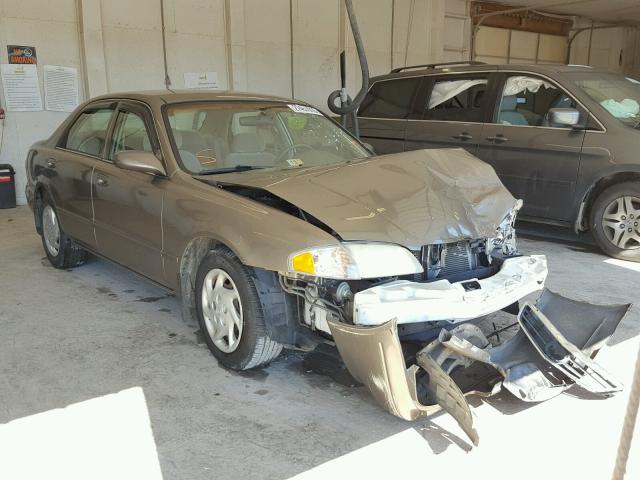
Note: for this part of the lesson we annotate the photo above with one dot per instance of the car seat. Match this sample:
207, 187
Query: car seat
508, 114
189, 159
249, 149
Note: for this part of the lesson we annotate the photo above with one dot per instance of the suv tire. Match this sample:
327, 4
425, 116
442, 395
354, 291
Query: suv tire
615, 221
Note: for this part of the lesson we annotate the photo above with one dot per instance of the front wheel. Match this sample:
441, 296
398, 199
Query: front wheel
230, 314
615, 221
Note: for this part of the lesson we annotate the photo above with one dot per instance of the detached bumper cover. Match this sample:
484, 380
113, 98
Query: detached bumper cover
410, 302
374, 357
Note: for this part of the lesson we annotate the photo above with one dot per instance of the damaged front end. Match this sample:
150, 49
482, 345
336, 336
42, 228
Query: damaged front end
414, 326
552, 350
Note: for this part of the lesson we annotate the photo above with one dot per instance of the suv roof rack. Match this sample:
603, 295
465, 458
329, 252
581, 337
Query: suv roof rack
434, 65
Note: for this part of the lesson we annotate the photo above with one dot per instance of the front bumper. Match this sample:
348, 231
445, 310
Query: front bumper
410, 302
530, 364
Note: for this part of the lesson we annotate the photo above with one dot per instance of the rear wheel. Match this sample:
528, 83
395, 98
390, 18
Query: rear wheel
615, 221
61, 250
230, 314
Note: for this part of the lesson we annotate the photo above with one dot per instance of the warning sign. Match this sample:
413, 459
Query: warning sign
22, 54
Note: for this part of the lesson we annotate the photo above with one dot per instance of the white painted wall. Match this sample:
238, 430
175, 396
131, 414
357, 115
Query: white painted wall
283, 47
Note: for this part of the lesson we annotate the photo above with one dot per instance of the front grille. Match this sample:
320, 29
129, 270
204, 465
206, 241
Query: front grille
458, 259
452, 260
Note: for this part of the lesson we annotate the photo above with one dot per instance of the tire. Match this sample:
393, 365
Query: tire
615, 221
61, 250
247, 344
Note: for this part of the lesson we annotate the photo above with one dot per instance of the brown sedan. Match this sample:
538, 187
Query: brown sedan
279, 229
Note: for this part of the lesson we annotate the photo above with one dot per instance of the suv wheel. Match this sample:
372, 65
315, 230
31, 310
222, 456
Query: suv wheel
61, 250
615, 221
230, 313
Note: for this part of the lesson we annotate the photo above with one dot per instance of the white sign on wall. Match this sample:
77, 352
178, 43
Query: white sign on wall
60, 88
21, 87
201, 80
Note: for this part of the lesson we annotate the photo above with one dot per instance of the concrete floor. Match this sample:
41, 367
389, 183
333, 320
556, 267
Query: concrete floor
72, 336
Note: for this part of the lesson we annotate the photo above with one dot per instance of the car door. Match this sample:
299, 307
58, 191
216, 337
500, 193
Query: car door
382, 116
536, 160
128, 205
453, 110
69, 168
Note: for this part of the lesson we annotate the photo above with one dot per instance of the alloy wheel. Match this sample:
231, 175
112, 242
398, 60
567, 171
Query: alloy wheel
51, 230
621, 222
222, 310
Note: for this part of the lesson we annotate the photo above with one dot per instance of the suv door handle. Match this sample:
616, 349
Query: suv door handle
464, 136
102, 182
499, 138
51, 163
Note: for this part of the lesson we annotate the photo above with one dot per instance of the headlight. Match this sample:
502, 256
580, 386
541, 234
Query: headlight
353, 261
505, 238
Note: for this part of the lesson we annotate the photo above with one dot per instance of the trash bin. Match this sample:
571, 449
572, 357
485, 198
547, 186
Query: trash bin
7, 186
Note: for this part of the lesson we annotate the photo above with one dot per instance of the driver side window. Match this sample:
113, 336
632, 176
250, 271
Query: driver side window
130, 134
527, 100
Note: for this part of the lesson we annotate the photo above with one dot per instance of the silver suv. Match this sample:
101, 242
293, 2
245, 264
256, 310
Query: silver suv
565, 139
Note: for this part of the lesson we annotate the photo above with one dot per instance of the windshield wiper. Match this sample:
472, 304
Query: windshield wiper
237, 168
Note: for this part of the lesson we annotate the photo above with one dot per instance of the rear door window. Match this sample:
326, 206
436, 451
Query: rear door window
88, 133
389, 98
459, 99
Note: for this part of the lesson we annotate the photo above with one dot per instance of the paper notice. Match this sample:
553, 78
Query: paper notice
201, 80
60, 88
21, 88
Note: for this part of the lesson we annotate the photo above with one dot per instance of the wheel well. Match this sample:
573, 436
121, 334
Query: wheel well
281, 310
600, 186
196, 250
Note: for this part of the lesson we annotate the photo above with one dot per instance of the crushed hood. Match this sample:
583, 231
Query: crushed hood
412, 198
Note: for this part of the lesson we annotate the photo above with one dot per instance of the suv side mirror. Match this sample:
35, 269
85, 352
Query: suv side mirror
139, 161
565, 116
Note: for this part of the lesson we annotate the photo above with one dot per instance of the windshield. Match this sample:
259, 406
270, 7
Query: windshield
620, 96
217, 137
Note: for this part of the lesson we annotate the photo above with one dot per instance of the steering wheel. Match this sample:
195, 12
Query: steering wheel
283, 154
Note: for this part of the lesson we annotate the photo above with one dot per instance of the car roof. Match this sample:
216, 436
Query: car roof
167, 96
545, 69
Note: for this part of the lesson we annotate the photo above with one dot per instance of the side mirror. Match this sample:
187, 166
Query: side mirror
139, 161
564, 116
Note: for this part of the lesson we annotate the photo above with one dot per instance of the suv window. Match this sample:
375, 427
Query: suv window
526, 100
130, 134
458, 99
389, 98
89, 132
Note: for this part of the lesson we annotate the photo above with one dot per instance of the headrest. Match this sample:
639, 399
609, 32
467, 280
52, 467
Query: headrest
509, 102
247, 143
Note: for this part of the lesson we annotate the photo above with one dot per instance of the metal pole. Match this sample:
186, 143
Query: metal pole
626, 436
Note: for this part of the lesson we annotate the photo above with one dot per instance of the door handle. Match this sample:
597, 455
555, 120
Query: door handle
102, 182
499, 138
464, 136
51, 163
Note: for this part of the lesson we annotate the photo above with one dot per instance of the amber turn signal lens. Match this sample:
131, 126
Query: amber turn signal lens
303, 263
